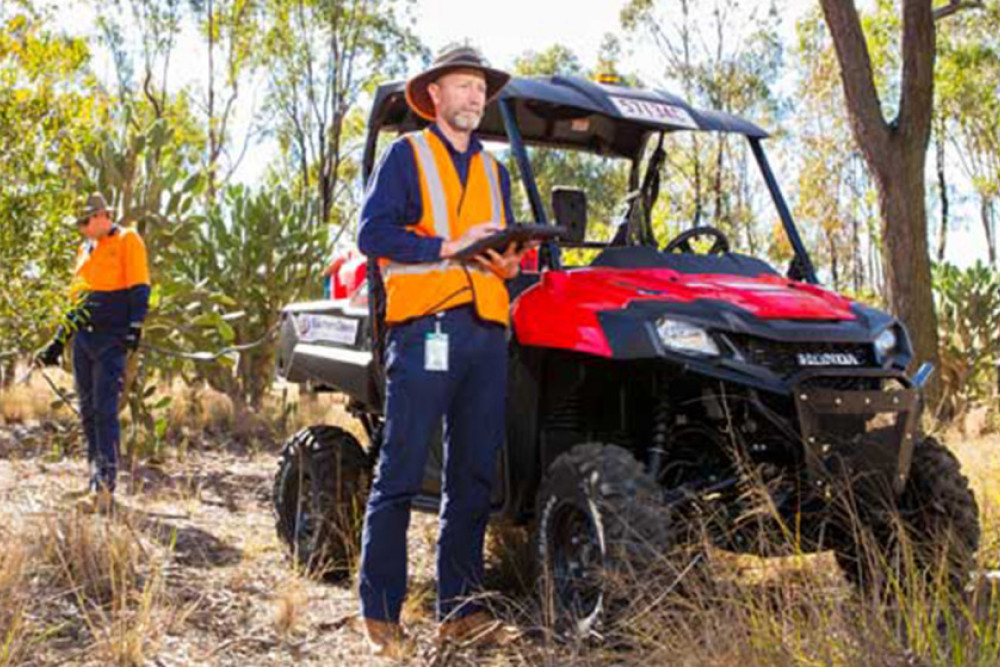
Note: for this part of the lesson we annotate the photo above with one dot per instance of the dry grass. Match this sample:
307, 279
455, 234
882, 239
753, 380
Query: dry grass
326, 408
794, 610
200, 416
801, 616
73, 580
12, 604
198, 409
290, 605
980, 457
194, 575
188, 572
195, 416
33, 401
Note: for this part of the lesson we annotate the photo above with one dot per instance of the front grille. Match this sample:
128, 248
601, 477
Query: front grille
783, 358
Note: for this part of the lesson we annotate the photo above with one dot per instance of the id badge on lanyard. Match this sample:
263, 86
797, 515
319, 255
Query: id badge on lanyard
436, 349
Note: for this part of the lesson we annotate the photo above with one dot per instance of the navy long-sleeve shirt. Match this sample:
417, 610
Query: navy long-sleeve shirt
393, 202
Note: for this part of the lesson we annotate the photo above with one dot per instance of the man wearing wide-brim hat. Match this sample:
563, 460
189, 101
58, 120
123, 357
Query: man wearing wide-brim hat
436, 191
110, 291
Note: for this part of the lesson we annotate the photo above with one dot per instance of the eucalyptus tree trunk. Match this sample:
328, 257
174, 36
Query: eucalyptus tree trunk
895, 152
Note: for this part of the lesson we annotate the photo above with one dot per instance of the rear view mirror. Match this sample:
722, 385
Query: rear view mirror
569, 205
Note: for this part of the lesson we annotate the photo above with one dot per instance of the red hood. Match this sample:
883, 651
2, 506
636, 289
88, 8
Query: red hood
562, 310
766, 297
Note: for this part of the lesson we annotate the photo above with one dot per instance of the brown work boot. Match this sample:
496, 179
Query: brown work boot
387, 639
477, 629
101, 502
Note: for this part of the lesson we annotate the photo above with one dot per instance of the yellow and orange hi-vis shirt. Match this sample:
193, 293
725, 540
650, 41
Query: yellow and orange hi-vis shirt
111, 282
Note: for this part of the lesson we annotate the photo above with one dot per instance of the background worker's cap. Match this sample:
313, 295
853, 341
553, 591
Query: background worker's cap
94, 204
449, 59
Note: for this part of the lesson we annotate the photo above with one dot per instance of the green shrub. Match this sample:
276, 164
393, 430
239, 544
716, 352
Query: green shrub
968, 310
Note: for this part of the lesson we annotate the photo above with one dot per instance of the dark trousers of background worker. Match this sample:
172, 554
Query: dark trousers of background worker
471, 397
99, 369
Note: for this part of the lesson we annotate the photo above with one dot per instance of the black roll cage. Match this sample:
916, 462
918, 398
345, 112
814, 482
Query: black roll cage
559, 98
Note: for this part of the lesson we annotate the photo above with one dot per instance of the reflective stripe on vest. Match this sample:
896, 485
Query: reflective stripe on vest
439, 201
415, 290
496, 197
398, 269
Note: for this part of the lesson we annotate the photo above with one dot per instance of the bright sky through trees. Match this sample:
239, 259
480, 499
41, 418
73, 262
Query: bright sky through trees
502, 31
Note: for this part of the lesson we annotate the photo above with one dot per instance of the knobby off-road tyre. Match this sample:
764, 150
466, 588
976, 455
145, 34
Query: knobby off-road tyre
320, 491
600, 525
939, 518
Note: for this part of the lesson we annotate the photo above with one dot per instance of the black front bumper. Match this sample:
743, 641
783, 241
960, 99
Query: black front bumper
868, 435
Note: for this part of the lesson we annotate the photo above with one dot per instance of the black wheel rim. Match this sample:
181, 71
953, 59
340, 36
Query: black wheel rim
577, 561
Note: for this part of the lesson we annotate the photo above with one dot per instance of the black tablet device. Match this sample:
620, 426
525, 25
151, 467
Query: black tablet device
519, 235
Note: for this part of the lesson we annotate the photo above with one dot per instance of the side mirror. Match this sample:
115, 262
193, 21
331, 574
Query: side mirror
569, 205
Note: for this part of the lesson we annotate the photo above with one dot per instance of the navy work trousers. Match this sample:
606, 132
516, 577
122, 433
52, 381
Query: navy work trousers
470, 396
99, 369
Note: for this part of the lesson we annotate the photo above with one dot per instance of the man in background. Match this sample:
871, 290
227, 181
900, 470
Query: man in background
110, 291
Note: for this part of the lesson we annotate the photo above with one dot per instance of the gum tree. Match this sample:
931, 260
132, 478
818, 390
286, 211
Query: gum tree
895, 150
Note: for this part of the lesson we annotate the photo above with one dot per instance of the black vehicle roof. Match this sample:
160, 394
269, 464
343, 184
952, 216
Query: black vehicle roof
571, 112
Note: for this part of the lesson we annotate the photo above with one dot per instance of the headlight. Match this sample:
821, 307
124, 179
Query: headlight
684, 337
886, 342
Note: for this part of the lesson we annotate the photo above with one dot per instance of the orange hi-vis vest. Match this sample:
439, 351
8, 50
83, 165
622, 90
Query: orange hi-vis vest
415, 290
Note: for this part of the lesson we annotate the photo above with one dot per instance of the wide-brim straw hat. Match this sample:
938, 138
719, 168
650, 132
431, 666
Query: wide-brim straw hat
452, 58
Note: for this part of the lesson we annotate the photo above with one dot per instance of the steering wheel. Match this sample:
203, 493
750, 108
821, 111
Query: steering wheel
682, 242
